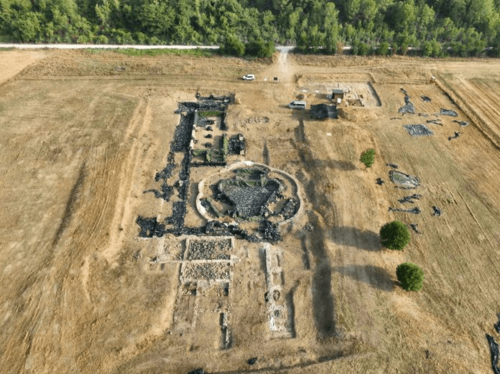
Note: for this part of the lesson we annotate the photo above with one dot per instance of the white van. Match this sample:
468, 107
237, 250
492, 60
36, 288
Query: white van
297, 105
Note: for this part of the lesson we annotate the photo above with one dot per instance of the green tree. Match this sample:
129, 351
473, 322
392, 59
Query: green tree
82, 39
403, 49
466, 25
259, 48
355, 47
436, 48
368, 157
331, 28
233, 46
427, 49
395, 235
394, 49
24, 25
352, 8
383, 49
410, 276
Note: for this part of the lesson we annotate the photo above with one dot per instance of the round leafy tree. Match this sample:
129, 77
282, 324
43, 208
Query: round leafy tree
368, 157
395, 235
410, 276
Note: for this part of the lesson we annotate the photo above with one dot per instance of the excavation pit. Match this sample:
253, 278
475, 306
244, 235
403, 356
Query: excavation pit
212, 272
249, 192
199, 249
253, 195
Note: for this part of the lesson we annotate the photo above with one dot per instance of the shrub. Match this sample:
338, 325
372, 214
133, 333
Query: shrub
436, 48
355, 47
102, 39
410, 276
368, 157
394, 49
259, 48
363, 49
395, 235
383, 49
82, 39
403, 48
233, 46
426, 49
340, 48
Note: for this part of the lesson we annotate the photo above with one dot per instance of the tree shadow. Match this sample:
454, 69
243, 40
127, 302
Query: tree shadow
372, 275
322, 295
353, 237
333, 164
323, 302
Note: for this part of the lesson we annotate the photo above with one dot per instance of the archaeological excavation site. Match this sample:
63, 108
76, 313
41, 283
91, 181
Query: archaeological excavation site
163, 215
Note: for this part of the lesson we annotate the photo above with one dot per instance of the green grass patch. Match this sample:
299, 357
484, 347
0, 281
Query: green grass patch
198, 152
158, 52
6, 49
96, 51
209, 113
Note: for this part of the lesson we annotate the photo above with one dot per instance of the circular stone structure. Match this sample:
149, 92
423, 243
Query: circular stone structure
251, 192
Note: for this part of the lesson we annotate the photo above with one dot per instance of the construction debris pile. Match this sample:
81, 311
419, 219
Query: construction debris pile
271, 232
461, 123
414, 226
408, 108
435, 121
494, 353
436, 211
448, 112
418, 130
415, 210
409, 199
150, 227
403, 180
237, 145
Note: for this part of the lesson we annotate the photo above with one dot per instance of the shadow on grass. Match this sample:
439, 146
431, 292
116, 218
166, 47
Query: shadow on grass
373, 275
353, 237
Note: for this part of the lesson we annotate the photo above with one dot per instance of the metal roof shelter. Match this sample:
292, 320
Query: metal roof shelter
338, 93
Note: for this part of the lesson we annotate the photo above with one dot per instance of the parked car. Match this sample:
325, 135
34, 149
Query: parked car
297, 105
248, 77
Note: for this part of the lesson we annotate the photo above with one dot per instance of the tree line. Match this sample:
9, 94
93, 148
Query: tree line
435, 27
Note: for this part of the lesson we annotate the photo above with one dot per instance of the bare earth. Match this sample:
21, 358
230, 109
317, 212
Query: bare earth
81, 138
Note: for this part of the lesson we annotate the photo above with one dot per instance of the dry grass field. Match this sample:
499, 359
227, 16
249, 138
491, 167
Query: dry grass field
83, 134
